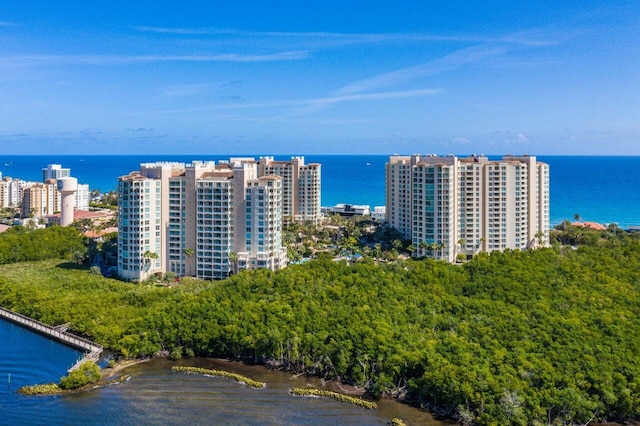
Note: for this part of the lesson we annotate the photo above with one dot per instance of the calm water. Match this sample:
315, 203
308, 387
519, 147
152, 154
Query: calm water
601, 189
156, 396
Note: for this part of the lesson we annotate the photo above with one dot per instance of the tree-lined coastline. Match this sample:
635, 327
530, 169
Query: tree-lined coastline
509, 338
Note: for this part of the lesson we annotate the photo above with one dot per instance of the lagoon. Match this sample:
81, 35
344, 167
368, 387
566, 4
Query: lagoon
155, 395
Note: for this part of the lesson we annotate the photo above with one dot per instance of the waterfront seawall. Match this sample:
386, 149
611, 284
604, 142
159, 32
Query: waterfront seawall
92, 350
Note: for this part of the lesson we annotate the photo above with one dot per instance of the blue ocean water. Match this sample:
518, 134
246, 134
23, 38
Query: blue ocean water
27, 358
602, 189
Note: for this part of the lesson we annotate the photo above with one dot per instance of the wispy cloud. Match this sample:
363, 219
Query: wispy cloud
312, 104
187, 89
487, 48
460, 140
138, 59
509, 137
524, 38
436, 66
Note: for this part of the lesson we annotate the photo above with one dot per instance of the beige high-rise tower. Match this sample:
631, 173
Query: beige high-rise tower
448, 206
200, 219
300, 187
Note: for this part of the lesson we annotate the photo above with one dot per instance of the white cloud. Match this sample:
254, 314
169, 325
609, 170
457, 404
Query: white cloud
529, 38
139, 59
508, 137
460, 140
437, 66
312, 104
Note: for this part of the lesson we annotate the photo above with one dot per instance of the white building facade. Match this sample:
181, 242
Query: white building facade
82, 197
209, 220
300, 187
54, 171
449, 206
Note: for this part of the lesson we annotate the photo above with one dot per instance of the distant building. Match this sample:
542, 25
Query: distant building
98, 218
83, 196
590, 225
201, 219
54, 171
349, 210
449, 206
11, 192
39, 200
379, 213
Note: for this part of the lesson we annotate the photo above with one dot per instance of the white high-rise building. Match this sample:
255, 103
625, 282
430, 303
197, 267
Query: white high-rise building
10, 192
449, 206
83, 196
54, 171
199, 219
300, 187
262, 239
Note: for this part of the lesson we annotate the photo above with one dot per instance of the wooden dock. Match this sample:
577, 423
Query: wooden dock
91, 350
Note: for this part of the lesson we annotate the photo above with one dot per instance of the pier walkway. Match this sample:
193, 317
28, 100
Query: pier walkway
91, 350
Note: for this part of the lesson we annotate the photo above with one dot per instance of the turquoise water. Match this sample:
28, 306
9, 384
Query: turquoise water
601, 189
157, 396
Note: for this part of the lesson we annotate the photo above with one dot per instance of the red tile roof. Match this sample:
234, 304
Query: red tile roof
591, 225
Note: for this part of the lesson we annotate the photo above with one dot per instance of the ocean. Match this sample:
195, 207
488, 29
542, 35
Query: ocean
599, 188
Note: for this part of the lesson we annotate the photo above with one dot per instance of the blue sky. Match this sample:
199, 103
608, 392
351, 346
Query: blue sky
242, 77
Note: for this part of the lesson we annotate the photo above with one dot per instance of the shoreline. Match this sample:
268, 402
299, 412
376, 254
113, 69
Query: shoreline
107, 378
118, 373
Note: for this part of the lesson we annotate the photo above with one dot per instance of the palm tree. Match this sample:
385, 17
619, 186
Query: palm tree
431, 247
460, 248
233, 258
577, 217
441, 247
423, 248
189, 252
148, 256
411, 248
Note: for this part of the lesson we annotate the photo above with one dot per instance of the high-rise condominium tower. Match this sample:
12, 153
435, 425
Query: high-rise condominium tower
447, 206
300, 187
199, 219
54, 171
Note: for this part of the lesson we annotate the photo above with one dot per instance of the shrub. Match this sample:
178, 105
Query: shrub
86, 373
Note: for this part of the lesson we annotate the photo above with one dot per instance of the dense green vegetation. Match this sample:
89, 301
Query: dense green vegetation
549, 336
87, 373
19, 244
43, 389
